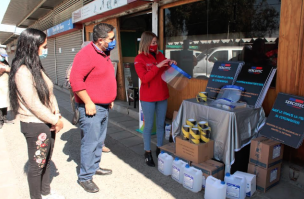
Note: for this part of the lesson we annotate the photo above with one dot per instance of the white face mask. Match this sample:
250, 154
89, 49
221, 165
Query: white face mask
2, 58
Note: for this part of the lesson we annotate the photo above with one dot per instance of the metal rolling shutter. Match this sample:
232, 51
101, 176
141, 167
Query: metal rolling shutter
69, 44
49, 63
11, 56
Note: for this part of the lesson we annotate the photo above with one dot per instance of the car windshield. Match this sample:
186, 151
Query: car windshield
204, 53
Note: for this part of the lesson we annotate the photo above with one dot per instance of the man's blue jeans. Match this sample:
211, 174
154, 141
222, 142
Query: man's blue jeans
94, 130
149, 108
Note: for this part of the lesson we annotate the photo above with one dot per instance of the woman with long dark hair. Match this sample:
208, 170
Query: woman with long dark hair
32, 99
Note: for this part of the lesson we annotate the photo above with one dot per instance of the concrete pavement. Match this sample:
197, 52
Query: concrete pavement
131, 178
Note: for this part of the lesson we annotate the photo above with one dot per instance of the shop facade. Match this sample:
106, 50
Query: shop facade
204, 30
220, 29
64, 41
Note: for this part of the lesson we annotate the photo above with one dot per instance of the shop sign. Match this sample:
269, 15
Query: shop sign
96, 7
285, 122
62, 27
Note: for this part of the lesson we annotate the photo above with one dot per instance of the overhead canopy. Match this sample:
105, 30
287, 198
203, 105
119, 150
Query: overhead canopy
23, 14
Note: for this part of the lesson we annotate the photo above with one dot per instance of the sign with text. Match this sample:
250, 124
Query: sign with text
95, 8
62, 27
285, 122
223, 73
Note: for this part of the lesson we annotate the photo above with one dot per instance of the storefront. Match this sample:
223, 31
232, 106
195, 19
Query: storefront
64, 41
208, 31
208, 25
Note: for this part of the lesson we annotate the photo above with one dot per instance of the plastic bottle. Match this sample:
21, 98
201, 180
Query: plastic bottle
165, 163
178, 170
236, 186
167, 131
193, 179
215, 188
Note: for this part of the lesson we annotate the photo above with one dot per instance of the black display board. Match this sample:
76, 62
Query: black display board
285, 122
256, 81
223, 73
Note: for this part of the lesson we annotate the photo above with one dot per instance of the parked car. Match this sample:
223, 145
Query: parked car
207, 58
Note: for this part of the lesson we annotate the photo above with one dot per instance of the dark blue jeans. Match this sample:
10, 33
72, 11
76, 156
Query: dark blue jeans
94, 130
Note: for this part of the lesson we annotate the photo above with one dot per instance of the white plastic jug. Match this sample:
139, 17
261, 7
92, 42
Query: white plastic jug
193, 179
178, 170
167, 131
165, 163
215, 188
236, 186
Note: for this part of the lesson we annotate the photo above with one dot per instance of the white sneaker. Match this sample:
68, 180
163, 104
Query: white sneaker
53, 195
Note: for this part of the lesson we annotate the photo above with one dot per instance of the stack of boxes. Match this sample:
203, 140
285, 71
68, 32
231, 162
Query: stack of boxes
265, 162
196, 155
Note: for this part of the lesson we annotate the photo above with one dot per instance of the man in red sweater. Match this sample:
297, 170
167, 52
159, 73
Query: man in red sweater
93, 82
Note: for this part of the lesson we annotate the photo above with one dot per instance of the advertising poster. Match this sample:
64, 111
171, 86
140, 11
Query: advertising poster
223, 73
285, 122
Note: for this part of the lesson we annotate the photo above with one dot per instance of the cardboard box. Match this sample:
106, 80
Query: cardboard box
265, 152
265, 178
195, 153
250, 182
169, 148
211, 168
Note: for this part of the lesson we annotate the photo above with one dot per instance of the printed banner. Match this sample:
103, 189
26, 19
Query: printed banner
62, 27
286, 120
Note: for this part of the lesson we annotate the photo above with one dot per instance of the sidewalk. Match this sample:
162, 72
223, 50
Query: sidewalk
131, 177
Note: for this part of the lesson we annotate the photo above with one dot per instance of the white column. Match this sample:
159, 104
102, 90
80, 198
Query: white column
155, 18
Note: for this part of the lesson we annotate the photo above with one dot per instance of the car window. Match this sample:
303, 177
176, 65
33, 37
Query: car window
204, 53
236, 53
219, 56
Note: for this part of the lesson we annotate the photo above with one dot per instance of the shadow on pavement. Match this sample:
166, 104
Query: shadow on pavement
72, 149
72, 146
54, 170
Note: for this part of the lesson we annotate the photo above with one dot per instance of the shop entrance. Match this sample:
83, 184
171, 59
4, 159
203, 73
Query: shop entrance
131, 28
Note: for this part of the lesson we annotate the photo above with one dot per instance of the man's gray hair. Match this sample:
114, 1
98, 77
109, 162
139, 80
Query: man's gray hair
101, 31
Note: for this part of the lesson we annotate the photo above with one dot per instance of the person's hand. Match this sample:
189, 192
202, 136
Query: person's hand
172, 62
2, 70
90, 108
163, 63
57, 127
111, 105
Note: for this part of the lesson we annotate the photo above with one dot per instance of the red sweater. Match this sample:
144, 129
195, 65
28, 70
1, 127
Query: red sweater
93, 71
152, 88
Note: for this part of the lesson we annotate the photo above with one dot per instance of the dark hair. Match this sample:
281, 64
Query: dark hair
27, 54
101, 31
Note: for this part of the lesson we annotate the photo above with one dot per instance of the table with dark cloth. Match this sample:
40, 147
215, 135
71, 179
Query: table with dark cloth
230, 130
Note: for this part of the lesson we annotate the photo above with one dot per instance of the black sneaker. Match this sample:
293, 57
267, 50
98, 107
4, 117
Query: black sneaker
149, 159
157, 151
89, 186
